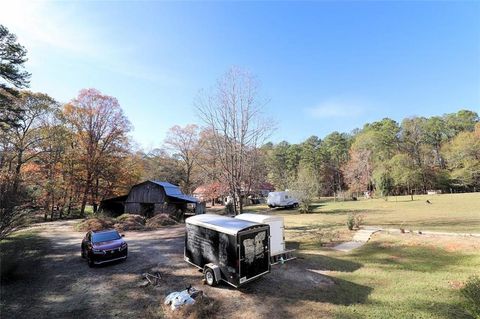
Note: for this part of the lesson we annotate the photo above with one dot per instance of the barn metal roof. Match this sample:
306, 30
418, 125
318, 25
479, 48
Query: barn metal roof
228, 225
175, 192
184, 198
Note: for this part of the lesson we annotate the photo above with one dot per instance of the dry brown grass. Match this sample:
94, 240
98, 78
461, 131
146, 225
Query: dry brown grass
204, 308
95, 224
126, 222
160, 220
130, 222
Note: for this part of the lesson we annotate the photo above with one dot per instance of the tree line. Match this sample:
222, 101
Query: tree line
416, 155
384, 157
58, 158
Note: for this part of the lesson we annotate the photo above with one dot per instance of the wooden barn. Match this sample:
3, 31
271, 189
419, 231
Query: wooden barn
150, 198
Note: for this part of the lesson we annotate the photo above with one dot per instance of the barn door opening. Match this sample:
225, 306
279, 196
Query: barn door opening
147, 209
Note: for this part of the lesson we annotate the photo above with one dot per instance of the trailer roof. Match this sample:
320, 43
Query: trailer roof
259, 218
222, 224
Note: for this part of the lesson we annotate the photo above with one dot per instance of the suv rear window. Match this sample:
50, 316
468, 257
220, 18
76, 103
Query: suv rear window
107, 236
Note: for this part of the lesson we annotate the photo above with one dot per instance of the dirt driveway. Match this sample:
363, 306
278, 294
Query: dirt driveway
63, 286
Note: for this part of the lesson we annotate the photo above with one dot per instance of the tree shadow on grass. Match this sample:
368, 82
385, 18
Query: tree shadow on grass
292, 245
307, 227
284, 292
326, 263
410, 258
342, 211
19, 255
431, 224
305, 278
316, 205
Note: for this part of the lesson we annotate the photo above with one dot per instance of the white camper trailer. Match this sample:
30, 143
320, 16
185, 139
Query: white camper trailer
281, 199
277, 236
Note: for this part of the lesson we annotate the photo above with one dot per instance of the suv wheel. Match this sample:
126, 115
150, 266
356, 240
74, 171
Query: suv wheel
90, 262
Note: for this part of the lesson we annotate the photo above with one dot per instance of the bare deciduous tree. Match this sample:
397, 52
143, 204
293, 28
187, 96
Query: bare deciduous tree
232, 111
184, 143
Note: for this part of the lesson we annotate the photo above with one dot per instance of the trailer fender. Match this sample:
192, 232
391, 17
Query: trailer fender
216, 271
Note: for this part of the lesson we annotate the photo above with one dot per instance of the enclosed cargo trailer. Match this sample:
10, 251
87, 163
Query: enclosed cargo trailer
278, 253
227, 249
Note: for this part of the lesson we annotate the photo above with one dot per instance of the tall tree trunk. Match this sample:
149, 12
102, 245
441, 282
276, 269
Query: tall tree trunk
45, 211
52, 210
18, 167
240, 204
88, 186
84, 202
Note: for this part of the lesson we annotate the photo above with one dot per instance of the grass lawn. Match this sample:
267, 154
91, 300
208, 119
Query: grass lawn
447, 212
408, 276
397, 276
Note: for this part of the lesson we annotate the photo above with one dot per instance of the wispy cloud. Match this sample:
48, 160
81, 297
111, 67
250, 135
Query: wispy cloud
338, 108
58, 27
39, 23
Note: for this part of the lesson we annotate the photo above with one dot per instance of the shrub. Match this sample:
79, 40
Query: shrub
350, 221
358, 220
355, 220
304, 207
471, 293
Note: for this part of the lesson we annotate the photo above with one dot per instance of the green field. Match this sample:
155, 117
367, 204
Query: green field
406, 276
447, 212
395, 276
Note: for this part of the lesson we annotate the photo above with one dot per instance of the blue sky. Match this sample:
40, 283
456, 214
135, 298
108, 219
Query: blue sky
324, 66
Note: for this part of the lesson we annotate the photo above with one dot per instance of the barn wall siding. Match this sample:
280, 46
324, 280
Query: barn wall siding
146, 193
149, 198
133, 208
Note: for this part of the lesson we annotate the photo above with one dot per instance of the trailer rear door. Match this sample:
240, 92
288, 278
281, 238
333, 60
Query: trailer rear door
254, 253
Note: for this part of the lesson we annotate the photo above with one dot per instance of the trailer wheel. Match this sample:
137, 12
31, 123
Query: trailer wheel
210, 277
